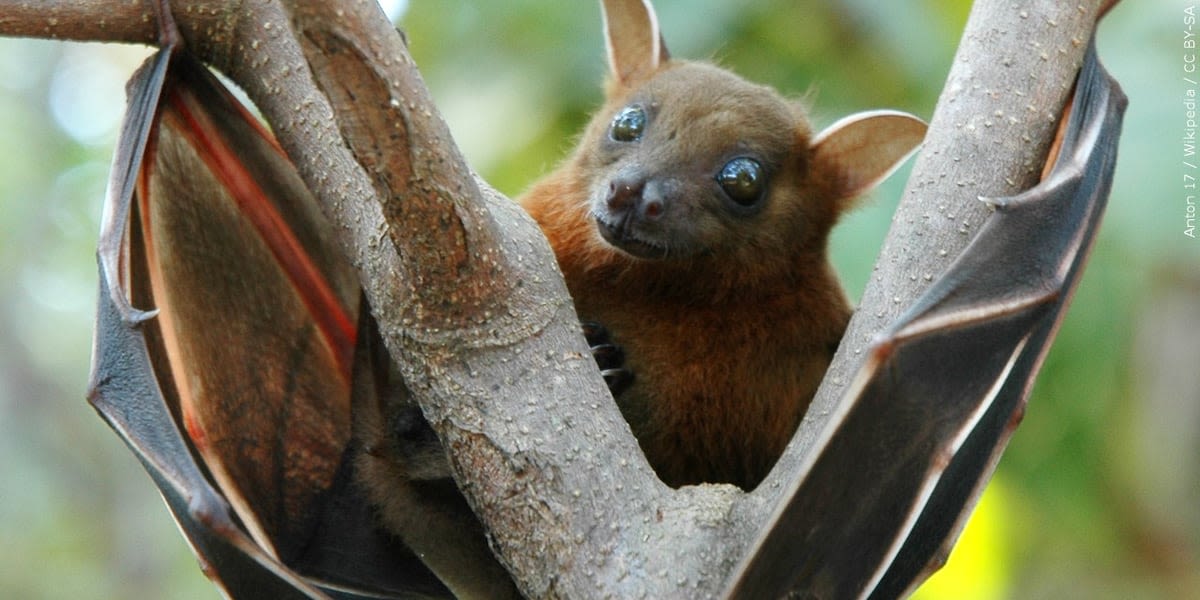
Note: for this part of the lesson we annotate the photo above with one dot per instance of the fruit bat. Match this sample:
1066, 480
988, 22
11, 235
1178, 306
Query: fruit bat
232, 345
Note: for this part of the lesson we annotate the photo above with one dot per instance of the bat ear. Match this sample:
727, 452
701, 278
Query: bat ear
635, 45
857, 152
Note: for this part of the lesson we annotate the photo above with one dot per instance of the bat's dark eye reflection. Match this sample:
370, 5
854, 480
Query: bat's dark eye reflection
743, 180
629, 124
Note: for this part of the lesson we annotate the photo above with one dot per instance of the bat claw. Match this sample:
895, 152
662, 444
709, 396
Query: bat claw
610, 357
130, 315
134, 317
618, 380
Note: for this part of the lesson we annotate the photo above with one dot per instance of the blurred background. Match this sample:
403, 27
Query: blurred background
1098, 495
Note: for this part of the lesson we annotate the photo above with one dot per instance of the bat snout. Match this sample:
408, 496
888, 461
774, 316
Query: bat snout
634, 198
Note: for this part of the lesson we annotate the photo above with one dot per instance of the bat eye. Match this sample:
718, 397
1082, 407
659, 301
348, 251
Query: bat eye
743, 180
629, 124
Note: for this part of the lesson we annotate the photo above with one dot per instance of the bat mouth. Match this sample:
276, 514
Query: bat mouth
621, 236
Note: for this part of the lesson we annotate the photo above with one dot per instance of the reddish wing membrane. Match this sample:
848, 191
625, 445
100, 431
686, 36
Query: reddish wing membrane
256, 334
227, 313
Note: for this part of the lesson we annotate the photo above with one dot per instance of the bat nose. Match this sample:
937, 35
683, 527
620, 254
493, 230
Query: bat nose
624, 193
627, 197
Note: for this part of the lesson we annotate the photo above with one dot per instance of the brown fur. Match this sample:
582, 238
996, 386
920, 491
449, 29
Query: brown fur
728, 340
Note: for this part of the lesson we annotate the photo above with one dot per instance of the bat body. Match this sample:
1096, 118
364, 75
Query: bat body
692, 222
235, 355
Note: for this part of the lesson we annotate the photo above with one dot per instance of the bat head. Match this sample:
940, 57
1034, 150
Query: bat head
690, 162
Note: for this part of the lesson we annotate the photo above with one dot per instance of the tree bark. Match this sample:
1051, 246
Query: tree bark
471, 303
988, 137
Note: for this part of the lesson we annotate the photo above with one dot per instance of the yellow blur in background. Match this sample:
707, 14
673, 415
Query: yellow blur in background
979, 568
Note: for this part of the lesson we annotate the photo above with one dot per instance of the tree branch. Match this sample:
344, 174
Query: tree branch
989, 135
83, 20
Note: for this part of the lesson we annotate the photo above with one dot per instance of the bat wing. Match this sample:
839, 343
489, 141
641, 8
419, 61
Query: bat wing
225, 348
930, 411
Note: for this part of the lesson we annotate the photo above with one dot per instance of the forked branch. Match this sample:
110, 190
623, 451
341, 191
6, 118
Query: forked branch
469, 299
